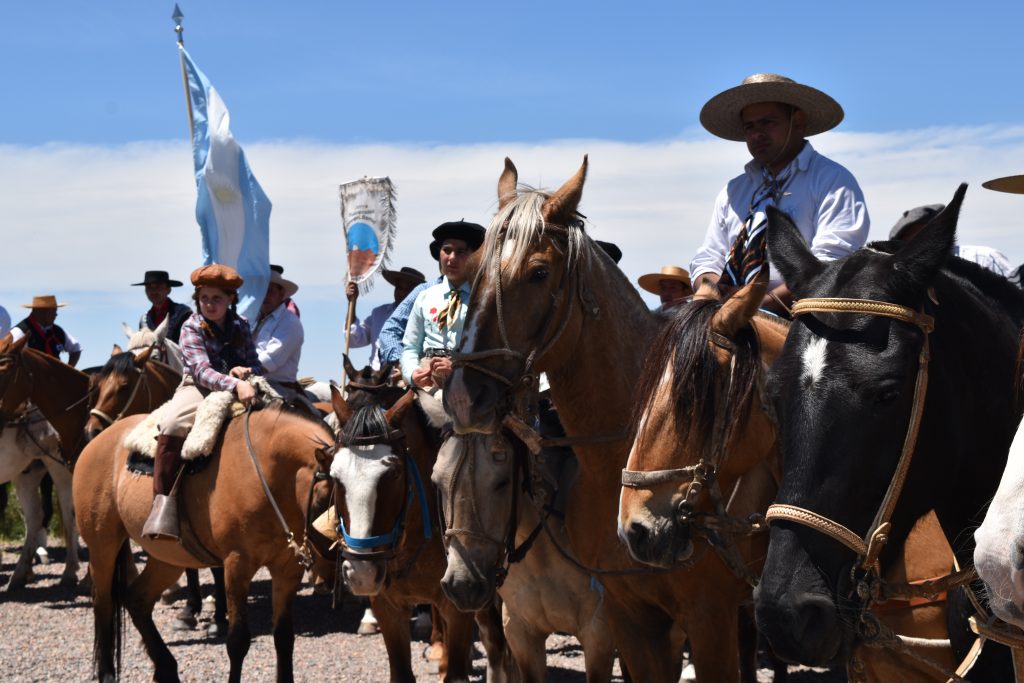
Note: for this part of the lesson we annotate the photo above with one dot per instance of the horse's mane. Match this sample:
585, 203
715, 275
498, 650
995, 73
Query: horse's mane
370, 420
684, 344
119, 363
519, 225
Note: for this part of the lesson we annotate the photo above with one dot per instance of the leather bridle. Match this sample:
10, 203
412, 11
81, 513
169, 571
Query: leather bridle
141, 379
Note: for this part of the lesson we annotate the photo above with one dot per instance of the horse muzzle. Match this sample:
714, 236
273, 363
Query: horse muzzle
657, 542
364, 577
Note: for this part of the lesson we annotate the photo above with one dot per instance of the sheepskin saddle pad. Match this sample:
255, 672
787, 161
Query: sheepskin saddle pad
212, 414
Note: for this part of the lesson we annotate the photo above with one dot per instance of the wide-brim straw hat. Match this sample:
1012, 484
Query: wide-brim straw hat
721, 115
406, 275
289, 287
1013, 184
44, 301
650, 280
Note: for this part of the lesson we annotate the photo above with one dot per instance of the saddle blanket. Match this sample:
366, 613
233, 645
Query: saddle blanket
216, 409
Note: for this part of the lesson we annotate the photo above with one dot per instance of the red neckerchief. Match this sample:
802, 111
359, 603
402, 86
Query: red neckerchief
160, 312
49, 337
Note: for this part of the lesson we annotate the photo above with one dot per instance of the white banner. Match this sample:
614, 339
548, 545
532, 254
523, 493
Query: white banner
368, 216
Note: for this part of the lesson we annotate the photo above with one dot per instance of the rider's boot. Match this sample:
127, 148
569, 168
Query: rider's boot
163, 517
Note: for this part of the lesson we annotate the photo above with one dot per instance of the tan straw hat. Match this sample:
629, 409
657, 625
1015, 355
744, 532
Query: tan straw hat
721, 115
1011, 183
288, 286
650, 280
44, 301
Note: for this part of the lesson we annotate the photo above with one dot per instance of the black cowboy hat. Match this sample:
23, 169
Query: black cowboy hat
277, 269
470, 233
405, 275
611, 249
919, 214
157, 277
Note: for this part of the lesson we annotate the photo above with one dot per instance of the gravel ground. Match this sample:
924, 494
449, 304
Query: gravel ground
46, 635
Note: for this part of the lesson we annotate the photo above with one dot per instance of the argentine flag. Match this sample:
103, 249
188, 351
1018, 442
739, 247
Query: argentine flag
232, 210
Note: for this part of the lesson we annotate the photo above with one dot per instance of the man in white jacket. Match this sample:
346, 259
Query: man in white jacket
278, 335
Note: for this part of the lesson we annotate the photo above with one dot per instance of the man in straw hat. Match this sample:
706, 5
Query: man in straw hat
43, 334
366, 332
773, 115
672, 285
912, 222
279, 336
158, 286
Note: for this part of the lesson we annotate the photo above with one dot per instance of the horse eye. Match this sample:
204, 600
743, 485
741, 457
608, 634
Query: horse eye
539, 275
886, 395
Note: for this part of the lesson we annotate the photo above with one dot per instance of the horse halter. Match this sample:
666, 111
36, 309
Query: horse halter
870, 547
363, 547
104, 417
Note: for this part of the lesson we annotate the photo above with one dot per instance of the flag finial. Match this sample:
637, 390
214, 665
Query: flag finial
178, 28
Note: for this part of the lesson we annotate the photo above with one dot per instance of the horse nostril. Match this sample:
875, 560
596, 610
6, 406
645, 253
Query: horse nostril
637, 534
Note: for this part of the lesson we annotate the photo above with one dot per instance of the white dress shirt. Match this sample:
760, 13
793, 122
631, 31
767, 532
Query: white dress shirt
422, 332
366, 332
279, 344
993, 259
822, 198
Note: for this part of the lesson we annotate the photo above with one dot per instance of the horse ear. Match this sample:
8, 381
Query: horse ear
143, 356
789, 252
738, 309
350, 369
116, 350
561, 206
161, 329
341, 407
507, 184
396, 412
128, 332
919, 260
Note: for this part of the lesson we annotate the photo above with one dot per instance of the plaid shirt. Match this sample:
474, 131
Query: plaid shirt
201, 353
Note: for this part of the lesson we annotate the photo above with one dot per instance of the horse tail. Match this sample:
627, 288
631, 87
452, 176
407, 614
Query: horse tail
123, 573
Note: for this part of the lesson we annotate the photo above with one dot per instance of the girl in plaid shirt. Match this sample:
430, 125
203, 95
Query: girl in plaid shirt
219, 354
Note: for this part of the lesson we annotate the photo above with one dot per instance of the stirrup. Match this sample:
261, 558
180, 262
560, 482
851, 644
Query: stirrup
163, 519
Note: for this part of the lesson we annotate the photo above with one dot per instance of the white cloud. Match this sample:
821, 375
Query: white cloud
85, 221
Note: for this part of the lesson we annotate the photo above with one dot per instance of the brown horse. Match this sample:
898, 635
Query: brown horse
129, 384
391, 551
231, 517
548, 299
59, 391
704, 437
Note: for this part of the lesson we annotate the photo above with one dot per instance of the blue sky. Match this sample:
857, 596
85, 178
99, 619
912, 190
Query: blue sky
95, 170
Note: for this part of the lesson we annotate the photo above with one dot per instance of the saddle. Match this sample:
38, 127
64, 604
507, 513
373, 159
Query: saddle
211, 416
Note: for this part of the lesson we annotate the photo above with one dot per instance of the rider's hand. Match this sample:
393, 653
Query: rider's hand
421, 378
352, 291
440, 369
240, 372
246, 393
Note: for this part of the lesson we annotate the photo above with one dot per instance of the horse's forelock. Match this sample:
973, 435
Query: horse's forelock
518, 226
370, 420
119, 363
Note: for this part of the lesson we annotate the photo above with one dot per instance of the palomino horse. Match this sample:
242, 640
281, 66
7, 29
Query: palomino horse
541, 591
247, 508
392, 555
895, 393
704, 439
29, 448
547, 299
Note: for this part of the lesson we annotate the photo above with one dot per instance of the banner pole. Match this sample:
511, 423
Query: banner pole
349, 317
180, 30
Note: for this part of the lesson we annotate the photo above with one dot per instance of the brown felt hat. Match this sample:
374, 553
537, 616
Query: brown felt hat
721, 115
44, 301
217, 275
650, 280
1013, 184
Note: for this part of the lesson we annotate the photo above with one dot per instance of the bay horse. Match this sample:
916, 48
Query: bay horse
508, 539
391, 553
705, 459
547, 299
230, 515
895, 393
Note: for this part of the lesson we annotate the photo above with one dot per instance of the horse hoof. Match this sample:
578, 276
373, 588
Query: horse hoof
217, 629
42, 556
185, 621
367, 628
172, 595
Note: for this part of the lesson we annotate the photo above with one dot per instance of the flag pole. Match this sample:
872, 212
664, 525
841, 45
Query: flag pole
349, 317
180, 30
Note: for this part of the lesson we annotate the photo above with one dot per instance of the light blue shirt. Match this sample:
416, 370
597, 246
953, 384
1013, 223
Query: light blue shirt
389, 341
423, 332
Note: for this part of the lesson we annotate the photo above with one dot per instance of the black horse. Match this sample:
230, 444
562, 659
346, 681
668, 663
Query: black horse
842, 393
